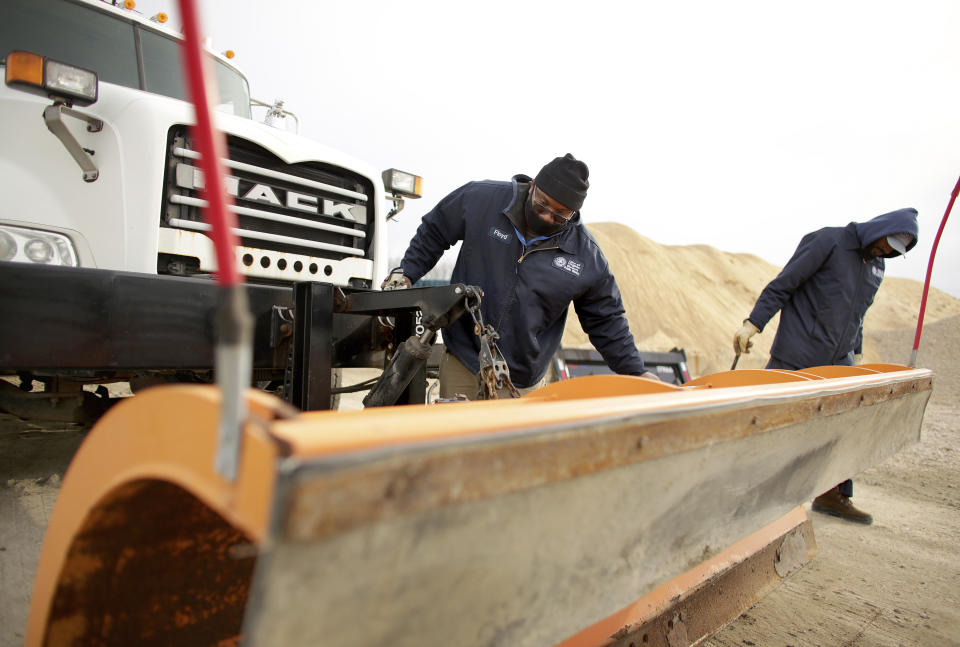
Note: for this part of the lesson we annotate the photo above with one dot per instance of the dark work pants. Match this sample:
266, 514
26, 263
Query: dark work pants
846, 488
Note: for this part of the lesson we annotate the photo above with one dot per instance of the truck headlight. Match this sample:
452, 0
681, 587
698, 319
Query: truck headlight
402, 183
40, 75
39, 250
20, 244
8, 246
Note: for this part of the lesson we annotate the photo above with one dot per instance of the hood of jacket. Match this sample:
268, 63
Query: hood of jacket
901, 221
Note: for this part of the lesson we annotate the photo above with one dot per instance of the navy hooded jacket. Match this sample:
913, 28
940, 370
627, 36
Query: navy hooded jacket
527, 291
825, 289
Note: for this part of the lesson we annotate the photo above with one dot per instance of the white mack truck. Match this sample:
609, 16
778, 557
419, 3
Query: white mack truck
113, 184
105, 261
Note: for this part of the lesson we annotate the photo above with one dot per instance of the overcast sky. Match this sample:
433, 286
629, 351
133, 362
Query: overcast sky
740, 125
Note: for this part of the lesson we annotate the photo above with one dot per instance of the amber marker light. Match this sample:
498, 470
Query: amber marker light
129, 4
159, 17
229, 53
25, 68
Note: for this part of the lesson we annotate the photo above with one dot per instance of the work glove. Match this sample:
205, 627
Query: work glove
858, 359
396, 280
650, 375
741, 340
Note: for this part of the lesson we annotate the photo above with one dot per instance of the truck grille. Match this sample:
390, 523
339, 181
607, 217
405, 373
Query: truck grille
306, 214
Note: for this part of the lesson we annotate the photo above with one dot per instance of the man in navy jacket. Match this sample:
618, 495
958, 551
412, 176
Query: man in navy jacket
823, 294
526, 247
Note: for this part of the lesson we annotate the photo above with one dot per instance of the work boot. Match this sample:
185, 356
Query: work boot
832, 502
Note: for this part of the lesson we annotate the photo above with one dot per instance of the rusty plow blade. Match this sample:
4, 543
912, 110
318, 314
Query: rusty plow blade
547, 519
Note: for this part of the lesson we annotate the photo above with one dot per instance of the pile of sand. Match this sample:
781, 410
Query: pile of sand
695, 297
939, 351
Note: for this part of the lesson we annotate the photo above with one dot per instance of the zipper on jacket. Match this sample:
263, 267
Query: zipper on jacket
865, 266
530, 251
516, 277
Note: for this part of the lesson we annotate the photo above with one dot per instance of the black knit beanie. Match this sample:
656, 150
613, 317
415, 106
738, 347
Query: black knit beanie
565, 180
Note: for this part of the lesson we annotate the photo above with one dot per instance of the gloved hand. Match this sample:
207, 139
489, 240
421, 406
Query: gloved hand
396, 280
858, 359
741, 340
650, 375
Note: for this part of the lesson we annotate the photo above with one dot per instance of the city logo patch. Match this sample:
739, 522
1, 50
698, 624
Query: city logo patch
878, 272
568, 265
499, 235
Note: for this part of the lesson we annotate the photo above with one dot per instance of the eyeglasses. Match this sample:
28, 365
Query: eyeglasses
543, 209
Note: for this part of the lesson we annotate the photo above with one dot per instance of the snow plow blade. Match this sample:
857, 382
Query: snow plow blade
536, 521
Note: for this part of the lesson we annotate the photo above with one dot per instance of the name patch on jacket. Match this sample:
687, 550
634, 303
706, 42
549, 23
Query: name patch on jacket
568, 265
498, 234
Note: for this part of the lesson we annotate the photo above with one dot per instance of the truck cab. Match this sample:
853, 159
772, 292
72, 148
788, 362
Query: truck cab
305, 212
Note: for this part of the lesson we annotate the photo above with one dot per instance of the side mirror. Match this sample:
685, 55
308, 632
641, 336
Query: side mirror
66, 85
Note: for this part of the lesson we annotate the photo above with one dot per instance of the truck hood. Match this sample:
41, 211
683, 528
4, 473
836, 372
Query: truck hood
288, 146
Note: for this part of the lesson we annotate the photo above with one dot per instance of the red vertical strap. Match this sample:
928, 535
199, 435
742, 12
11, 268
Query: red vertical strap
926, 282
212, 148
234, 348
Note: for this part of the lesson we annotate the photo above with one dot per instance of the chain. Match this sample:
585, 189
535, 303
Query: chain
494, 373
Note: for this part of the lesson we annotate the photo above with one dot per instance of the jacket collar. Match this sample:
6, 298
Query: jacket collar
850, 239
564, 239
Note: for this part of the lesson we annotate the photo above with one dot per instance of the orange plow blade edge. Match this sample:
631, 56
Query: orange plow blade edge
577, 515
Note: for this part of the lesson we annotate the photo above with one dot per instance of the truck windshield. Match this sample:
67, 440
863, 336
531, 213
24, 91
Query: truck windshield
114, 48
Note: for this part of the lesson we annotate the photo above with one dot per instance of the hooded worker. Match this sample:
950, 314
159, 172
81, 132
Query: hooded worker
525, 246
822, 294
